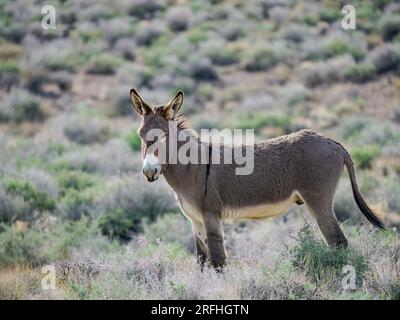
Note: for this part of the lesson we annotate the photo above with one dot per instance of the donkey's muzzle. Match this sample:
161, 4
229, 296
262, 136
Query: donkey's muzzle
151, 167
151, 175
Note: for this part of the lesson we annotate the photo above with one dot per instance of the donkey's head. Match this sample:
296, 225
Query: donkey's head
155, 124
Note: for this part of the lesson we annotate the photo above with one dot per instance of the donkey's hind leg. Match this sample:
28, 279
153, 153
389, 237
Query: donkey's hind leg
323, 212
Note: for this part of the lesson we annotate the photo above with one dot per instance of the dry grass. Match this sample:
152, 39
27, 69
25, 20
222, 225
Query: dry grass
267, 260
19, 282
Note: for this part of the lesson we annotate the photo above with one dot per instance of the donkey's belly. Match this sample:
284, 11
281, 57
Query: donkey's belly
260, 211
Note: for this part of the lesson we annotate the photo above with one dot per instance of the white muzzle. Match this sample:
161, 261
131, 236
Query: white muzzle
151, 167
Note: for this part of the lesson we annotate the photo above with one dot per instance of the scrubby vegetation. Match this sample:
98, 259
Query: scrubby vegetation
71, 189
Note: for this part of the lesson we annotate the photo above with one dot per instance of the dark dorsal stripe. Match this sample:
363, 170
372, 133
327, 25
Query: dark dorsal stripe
208, 167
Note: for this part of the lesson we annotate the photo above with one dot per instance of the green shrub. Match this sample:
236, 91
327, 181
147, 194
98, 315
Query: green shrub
389, 27
103, 64
58, 63
365, 155
352, 127
344, 206
311, 20
76, 204
360, 72
120, 104
37, 246
202, 69
394, 293
146, 9
178, 18
295, 33
223, 56
392, 190
324, 72
262, 59
86, 35
367, 11
336, 47
320, 262
196, 35
36, 199
171, 228
149, 209
147, 34
20, 106
257, 121
116, 224
8, 210
8, 66
86, 131
9, 74
330, 15
386, 58
134, 140
141, 204
231, 31
75, 180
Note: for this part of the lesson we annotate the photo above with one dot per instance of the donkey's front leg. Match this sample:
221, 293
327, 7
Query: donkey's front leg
215, 240
200, 238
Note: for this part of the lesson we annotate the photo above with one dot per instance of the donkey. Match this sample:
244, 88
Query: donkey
300, 168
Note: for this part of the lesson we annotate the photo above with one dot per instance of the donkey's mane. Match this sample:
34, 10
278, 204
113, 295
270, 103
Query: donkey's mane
181, 121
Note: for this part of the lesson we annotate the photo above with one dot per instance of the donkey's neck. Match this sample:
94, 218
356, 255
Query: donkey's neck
181, 175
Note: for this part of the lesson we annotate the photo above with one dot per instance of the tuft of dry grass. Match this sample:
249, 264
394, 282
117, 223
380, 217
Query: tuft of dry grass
19, 282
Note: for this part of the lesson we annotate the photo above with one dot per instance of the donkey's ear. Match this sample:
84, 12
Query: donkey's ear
141, 107
174, 105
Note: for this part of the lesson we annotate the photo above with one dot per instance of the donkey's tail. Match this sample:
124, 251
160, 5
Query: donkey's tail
362, 205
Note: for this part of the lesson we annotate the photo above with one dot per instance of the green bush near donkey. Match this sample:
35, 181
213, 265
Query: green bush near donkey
35, 199
37, 246
116, 224
257, 121
320, 262
134, 141
76, 204
86, 131
365, 155
75, 180
170, 228
135, 205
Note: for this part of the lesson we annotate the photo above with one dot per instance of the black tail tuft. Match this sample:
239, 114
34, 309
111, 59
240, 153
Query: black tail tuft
365, 209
